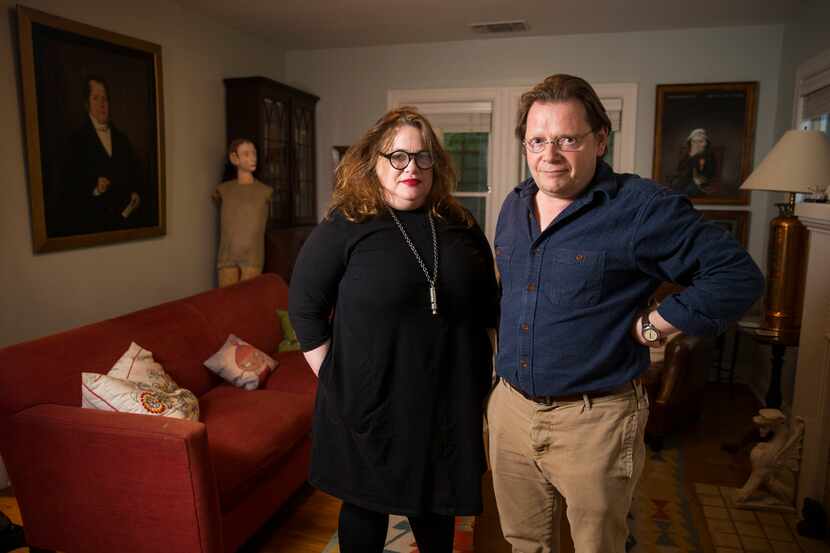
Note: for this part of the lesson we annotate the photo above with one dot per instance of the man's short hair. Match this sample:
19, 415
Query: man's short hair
559, 88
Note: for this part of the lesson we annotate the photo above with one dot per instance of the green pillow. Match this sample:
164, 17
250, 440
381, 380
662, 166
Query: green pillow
289, 337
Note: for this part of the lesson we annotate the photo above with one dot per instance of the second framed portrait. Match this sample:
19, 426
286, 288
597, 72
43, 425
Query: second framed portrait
735, 223
703, 140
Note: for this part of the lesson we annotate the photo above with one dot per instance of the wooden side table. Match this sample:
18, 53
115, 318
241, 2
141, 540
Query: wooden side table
778, 341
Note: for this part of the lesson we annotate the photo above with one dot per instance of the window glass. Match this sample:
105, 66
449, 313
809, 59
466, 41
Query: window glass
469, 153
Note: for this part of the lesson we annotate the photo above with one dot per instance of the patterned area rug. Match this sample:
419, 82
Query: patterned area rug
665, 514
399, 538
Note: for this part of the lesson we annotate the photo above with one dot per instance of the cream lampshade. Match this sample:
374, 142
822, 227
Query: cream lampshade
799, 162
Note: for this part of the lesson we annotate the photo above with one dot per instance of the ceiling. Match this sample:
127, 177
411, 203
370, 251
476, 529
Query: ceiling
314, 24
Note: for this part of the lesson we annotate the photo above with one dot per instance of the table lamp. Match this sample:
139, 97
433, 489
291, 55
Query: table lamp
799, 162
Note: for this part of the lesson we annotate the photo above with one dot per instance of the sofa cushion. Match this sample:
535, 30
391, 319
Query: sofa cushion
294, 375
241, 364
248, 432
247, 309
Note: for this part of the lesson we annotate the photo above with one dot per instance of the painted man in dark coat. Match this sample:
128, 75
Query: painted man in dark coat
101, 186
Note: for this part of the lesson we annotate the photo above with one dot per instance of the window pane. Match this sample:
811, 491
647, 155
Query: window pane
817, 123
469, 154
477, 207
609, 152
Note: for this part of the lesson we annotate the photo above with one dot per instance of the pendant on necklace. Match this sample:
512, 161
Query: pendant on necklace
433, 300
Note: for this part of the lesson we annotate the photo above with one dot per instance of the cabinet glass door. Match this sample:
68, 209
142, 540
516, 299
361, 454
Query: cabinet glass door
273, 159
304, 191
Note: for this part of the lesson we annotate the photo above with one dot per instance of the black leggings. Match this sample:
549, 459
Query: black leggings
364, 531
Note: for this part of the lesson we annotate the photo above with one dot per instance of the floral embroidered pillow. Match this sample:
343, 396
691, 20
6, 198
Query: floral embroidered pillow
138, 384
241, 364
106, 393
137, 365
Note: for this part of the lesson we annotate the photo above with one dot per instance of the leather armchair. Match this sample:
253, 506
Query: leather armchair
676, 384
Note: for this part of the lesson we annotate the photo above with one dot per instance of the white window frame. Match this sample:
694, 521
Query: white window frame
504, 157
812, 75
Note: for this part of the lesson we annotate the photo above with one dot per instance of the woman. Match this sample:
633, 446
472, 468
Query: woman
391, 298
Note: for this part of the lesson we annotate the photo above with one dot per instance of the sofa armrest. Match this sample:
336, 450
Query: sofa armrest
93, 481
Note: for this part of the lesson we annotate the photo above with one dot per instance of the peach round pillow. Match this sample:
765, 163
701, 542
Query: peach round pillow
241, 364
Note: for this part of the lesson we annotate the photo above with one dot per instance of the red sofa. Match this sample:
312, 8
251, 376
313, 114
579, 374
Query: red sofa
89, 481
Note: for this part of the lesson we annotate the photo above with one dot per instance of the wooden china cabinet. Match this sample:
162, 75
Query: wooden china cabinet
279, 119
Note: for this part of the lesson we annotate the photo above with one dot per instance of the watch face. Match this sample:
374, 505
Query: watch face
650, 334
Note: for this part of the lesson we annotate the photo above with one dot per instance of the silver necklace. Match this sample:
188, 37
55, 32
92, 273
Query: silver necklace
433, 296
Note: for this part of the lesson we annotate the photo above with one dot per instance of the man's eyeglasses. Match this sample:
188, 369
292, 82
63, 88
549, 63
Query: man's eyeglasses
399, 159
564, 143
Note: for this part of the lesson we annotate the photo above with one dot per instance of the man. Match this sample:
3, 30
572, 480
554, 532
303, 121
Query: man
580, 250
101, 178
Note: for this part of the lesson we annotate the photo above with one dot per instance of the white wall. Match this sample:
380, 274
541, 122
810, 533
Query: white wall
45, 293
352, 83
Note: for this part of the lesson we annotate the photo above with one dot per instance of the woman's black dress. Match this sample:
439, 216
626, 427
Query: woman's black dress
398, 418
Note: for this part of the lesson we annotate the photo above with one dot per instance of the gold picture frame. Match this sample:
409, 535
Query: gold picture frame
91, 182
736, 223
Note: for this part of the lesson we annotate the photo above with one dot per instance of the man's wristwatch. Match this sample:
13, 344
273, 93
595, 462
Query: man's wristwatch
651, 333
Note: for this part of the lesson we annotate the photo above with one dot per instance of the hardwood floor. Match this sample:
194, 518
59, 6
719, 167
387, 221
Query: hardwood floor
304, 525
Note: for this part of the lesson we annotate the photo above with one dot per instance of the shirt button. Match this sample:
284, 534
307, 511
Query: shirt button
534, 251
580, 257
523, 364
524, 327
531, 287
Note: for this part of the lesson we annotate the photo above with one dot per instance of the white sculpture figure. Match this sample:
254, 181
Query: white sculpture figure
775, 463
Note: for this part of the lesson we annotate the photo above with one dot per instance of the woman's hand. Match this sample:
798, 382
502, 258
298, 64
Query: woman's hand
315, 357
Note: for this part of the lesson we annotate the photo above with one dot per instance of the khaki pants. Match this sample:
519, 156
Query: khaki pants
588, 454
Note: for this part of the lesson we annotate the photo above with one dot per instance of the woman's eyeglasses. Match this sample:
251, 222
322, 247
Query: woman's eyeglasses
564, 143
399, 159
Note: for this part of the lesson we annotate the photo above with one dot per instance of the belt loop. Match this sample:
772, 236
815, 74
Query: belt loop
639, 391
586, 403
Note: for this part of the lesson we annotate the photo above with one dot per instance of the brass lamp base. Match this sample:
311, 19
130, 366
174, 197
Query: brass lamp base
786, 260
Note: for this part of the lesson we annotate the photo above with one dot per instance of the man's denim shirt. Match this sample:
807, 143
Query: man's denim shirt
570, 294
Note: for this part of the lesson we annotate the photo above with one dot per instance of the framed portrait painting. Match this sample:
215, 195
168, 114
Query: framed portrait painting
703, 140
94, 133
735, 223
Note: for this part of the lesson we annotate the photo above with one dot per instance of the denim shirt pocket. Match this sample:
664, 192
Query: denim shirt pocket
573, 278
503, 255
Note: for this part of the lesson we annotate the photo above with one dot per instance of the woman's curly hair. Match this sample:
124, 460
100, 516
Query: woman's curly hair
358, 194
